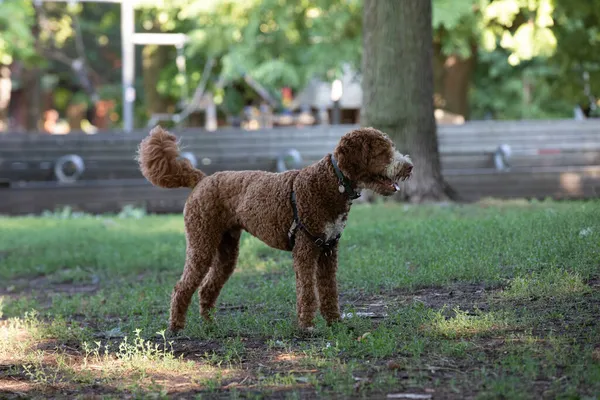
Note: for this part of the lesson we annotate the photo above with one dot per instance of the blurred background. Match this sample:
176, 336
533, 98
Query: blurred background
273, 84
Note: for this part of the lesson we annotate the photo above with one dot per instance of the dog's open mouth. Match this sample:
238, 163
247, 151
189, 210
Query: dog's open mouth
389, 183
392, 185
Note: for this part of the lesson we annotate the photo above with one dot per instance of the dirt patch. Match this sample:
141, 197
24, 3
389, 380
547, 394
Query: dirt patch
193, 349
594, 282
42, 288
467, 297
575, 317
25, 286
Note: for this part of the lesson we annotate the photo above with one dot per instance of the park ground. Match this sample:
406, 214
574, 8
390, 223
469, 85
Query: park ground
489, 300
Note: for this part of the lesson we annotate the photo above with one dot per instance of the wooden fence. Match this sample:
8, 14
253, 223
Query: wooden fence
560, 159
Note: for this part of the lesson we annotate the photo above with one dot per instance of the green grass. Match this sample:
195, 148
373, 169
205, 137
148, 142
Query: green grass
493, 300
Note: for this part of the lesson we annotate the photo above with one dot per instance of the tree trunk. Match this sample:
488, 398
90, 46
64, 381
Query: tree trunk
456, 84
398, 88
154, 59
452, 80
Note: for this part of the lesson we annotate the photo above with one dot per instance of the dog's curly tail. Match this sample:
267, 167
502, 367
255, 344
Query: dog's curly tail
158, 156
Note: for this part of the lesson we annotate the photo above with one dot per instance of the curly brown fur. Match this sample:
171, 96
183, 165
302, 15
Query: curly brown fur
225, 203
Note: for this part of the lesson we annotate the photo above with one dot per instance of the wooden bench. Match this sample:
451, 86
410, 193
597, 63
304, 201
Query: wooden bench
559, 159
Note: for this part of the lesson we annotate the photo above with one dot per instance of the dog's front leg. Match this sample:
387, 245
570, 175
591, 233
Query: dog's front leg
327, 286
306, 255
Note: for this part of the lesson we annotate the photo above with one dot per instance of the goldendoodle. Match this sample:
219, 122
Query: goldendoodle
303, 211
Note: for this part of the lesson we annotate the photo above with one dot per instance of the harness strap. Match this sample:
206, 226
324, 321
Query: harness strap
326, 246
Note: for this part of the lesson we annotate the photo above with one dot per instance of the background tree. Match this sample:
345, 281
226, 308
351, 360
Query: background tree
472, 36
278, 43
501, 59
398, 87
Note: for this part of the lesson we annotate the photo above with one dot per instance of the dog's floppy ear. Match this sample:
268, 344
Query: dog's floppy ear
352, 154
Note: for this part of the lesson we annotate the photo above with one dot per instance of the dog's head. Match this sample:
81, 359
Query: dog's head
369, 158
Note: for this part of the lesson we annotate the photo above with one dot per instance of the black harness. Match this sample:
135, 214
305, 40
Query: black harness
326, 245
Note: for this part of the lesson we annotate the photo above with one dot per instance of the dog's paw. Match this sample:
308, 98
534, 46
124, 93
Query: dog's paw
208, 314
333, 319
174, 329
171, 334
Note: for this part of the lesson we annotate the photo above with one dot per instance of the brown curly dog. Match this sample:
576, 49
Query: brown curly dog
303, 211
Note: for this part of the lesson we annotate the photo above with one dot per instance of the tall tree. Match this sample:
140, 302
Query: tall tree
398, 87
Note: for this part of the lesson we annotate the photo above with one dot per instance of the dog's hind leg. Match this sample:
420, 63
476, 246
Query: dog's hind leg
327, 286
220, 271
201, 250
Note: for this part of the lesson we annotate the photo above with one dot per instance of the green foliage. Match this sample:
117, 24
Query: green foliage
450, 14
523, 27
16, 38
545, 44
498, 90
531, 37
578, 34
531, 54
455, 26
279, 43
